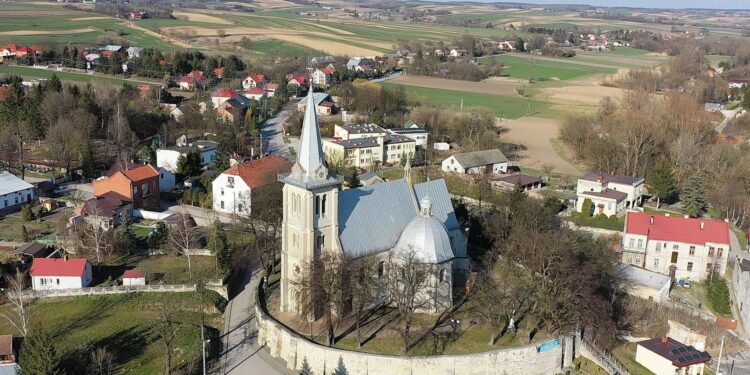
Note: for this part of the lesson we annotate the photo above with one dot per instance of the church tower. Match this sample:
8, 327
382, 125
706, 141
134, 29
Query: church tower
310, 225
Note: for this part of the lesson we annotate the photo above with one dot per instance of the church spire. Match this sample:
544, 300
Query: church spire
310, 154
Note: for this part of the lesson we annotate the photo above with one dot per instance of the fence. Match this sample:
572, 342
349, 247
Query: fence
151, 215
103, 290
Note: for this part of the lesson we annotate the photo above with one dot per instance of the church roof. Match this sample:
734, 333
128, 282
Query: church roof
372, 218
426, 236
310, 155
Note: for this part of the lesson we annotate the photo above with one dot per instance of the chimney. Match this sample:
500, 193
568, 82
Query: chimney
666, 214
665, 340
703, 225
651, 220
65, 258
687, 216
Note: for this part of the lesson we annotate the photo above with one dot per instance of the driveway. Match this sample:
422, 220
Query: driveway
242, 354
728, 116
203, 217
272, 132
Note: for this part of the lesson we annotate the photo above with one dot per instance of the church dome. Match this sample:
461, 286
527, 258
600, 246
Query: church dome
427, 236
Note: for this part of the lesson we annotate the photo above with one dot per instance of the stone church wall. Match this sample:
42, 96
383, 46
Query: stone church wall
287, 345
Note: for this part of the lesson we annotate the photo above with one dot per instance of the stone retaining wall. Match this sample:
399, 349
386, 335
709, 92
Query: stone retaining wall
292, 348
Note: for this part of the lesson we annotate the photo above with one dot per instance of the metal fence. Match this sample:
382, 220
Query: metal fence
103, 290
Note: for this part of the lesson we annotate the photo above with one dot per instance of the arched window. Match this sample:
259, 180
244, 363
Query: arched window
441, 275
323, 209
381, 268
317, 204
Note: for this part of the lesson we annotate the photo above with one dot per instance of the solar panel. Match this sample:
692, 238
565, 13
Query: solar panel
674, 351
683, 350
681, 360
704, 355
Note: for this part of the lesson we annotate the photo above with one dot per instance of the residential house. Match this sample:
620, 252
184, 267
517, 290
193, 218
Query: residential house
511, 181
232, 110
138, 184
271, 89
683, 248
457, 52
218, 72
107, 211
297, 84
192, 80
667, 356
610, 194
133, 278
34, 250
255, 93
506, 45
113, 48
167, 157
134, 52
60, 273
167, 180
323, 77
221, 95
642, 283
355, 131
324, 105
254, 80
14, 193
477, 162
9, 50
364, 152
173, 110
738, 83
413, 131
233, 189
139, 15
740, 281
396, 147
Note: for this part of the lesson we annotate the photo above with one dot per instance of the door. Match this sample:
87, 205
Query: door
672, 271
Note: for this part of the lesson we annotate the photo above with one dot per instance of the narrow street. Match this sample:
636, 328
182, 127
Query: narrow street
272, 132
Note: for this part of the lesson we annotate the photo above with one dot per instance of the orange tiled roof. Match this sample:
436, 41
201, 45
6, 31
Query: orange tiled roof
260, 172
141, 172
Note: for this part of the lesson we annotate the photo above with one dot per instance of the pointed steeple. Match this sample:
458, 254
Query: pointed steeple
310, 154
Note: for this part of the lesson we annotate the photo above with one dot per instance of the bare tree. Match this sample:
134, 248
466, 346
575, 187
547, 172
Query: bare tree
264, 221
362, 288
97, 240
167, 329
101, 362
499, 297
408, 283
19, 313
183, 236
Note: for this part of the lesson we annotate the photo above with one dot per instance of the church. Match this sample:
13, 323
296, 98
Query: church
380, 220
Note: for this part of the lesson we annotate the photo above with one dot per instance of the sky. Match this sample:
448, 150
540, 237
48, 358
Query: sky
679, 4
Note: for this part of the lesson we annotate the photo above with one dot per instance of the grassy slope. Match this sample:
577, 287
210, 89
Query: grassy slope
65, 76
505, 106
520, 67
123, 324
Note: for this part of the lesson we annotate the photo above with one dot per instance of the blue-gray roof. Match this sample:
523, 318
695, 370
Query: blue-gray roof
318, 98
9, 369
371, 218
9, 183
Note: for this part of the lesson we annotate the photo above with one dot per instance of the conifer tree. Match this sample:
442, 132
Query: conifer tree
305, 369
693, 197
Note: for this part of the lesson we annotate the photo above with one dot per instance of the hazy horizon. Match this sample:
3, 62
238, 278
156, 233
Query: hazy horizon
663, 4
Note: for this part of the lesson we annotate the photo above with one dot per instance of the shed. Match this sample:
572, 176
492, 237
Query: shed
133, 278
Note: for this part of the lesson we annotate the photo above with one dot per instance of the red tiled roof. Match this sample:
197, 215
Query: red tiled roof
197, 74
255, 91
108, 53
257, 77
11, 47
58, 267
327, 71
133, 274
25, 49
272, 86
187, 79
224, 92
260, 172
677, 228
299, 79
218, 71
140, 172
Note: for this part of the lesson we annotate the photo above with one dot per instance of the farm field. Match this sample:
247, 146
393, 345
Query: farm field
491, 87
499, 105
537, 135
125, 324
27, 72
544, 68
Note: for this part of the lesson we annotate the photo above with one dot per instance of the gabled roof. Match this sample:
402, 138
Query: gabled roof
224, 92
327, 71
255, 91
677, 228
133, 274
218, 71
480, 158
608, 194
363, 128
299, 79
519, 178
272, 86
679, 354
606, 177
58, 267
256, 77
259, 172
318, 98
9, 183
105, 206
140, 173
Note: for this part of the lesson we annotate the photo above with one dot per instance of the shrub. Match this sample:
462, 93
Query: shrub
26, 214
717, 295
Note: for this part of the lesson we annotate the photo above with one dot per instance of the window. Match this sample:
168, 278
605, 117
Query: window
675, 247
719, 251
230, 182
58, 281
640, 244
317, 205
690, 266
381, 269
321, 242
656, 263
239, 207
674, 257
692, 250
709, 266
222, 191
323, 203
222, 205
711, 251
632, 242
658, 247
43, 281
441, 275
637, 259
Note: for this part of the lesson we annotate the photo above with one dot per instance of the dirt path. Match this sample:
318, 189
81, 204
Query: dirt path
535, 134
492, 87
47, 32
160, 36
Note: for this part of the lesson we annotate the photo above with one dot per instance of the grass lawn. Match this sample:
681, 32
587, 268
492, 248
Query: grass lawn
124, 325
162, 269
583, 365
276, 47
10, 227
500, 106
716, 59
65, 76
625, 354
538, 69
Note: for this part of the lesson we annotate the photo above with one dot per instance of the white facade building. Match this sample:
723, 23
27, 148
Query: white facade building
666, 356
60, 273
14, 193
167, 157
683, 248
610, 194
133, 278
478, 162
233, 189
166, 180
357, 131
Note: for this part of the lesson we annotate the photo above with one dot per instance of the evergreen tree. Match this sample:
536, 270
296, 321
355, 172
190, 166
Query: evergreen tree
693, 197
221, 161
352, 178
38, 355
24, 234
88, 166
54, 83
340, 368
519, 45
158, 236
661, 181
217, 241
305, 369
587, 207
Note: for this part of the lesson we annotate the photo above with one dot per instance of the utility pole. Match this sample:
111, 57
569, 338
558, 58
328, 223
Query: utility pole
721, 350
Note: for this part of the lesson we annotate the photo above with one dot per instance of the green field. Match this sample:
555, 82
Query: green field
500, 106
276, 47
66, 76
716, 59
527, 66
124, 325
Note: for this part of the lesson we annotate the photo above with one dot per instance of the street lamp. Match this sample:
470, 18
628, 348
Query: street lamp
203, 347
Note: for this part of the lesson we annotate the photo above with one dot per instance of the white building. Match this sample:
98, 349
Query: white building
642, 283
133, 278
14, 193
356, 131
683, 248
322, 77
233, 189
478, 162
364, 152
167, 157
740, 281
413, 131
610, 194
166, 180
60, 273
667, 356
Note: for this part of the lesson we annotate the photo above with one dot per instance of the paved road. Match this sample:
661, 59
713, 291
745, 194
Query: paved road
242, 355
728, 116
273, 132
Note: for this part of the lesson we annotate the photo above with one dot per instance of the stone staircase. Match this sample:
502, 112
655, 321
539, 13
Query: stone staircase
601, 358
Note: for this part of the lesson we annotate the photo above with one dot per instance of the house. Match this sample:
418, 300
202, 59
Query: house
138, 184
355, 131
14, 193
740, 281
271, 89
34, 250
364, 152
232, 110
255, 93
139, 15
322, 77
457, 52
173, 110
413, 131
526, 182
254, 80
167, 180
192, 80
7, 355
134, 52
60, 273
167, 157
218, 72
233, 189
133, 278
667, 356
642, 283
506, 45
486, 161
297, 84
107, 211
221, 95
354, 62
738, 83
112, 48
9, 50
610, 194
324, 105
683, 248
